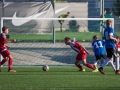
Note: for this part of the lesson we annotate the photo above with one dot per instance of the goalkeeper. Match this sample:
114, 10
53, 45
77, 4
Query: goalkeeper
62, 21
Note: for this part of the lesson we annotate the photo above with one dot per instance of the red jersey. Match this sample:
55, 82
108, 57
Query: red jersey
76, 47
2, 41
118, 46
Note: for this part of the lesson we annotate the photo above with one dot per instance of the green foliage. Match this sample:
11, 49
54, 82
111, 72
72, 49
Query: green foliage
116, 9
58, 78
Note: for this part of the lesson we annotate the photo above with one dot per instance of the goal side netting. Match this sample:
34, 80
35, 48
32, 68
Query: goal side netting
38, 46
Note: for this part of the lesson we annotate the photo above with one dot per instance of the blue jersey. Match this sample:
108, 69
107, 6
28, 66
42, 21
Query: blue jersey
109, 43
99, 47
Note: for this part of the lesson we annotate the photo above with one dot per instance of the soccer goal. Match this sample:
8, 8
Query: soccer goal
40, 41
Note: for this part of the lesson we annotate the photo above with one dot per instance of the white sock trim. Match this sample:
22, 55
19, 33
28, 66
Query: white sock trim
117, 63
111, 63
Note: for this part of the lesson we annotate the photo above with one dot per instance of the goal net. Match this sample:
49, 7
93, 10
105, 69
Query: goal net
36, 48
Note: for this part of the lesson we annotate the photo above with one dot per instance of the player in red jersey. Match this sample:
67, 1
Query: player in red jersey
118, 53
81, 56
4, 49
118, 44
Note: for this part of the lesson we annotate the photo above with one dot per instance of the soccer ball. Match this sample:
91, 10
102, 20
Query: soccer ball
45, 67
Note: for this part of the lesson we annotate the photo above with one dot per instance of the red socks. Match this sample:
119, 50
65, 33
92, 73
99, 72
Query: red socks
10, 64
3, 61
90, 66
79, 66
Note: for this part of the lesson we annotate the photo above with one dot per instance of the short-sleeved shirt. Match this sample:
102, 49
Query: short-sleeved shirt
99, 47
76, 47
2, 41
109, 43
63, 16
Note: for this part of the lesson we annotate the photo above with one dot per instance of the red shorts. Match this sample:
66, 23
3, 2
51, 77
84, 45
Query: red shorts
4, 53
81, 56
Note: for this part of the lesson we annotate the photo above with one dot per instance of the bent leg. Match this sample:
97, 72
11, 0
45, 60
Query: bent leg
5, 54
87, 64
10, 63
78, 64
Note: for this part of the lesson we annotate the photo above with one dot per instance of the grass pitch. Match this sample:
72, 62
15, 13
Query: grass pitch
59, 36
58, 78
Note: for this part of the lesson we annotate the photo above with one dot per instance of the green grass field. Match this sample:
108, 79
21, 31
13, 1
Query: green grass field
59, 36
87, 36
58, 78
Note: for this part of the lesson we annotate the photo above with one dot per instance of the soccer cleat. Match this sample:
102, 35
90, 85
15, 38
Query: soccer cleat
117, 72
12, 71
101, 70
96, 70
82, 70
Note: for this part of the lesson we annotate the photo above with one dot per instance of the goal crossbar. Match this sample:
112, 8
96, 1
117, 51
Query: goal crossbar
9, 18
54, 19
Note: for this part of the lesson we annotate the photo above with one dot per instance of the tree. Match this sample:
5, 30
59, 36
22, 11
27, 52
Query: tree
116, 8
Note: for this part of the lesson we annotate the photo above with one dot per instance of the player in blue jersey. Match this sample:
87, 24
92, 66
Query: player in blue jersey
100, 52
110, 45
98, 47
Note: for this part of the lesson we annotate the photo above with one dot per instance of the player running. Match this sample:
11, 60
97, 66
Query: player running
81, 56
100, 52
110, 46
62, 21
4, 49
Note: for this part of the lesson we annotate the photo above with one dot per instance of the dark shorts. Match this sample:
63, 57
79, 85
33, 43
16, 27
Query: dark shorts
61, 21
111, 52
101, 56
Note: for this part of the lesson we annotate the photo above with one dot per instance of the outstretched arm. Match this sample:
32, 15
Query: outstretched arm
112, 38
84, 49
10, 41
7, 46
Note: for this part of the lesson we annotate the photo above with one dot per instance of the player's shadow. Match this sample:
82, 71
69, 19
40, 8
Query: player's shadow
68, 56
48, 55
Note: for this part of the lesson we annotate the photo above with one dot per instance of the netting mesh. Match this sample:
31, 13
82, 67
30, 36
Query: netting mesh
45, 53
35, 48
29, 26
